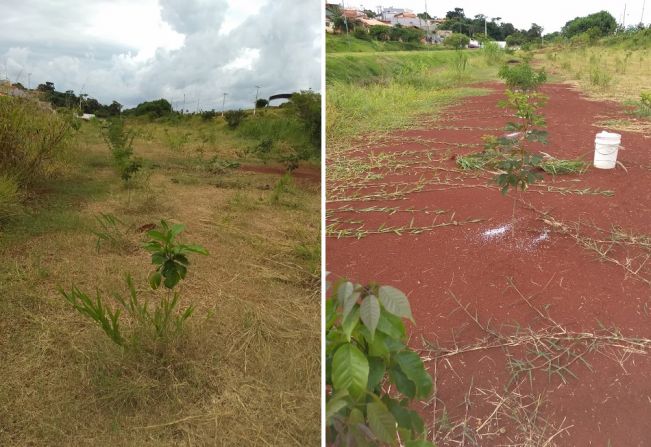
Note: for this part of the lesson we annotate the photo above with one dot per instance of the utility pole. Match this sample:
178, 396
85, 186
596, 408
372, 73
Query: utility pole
224, 103
642, 16
29, 79
183, 109
255, 104
624, 18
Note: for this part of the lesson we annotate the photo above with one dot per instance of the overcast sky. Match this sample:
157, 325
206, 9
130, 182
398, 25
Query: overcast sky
131, 51
551, 14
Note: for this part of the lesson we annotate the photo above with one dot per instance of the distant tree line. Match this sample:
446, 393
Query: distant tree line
68, 99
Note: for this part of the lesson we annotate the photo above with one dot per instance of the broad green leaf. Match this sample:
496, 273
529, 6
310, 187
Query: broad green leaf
391, 326
395, 302
336, 403
412, 366
176, 229
344, 290
381, 422
376, 372
349, 323
157, 235
377, 346
331, 314
404, 385
350, 370
369, 312
349, 302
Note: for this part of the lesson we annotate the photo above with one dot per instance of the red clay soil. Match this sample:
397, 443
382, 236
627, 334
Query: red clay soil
607, 402
312, 174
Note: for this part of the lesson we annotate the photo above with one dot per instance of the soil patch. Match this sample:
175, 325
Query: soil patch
449, 239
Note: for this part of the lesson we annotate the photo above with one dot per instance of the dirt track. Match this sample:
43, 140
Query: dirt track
595, 393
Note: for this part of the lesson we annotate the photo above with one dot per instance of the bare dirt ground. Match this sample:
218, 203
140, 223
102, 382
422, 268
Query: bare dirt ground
533, 320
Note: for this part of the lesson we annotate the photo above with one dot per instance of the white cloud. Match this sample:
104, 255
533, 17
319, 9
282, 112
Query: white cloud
135, 51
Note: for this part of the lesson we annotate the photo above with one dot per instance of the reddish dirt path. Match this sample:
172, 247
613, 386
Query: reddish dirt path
474, 261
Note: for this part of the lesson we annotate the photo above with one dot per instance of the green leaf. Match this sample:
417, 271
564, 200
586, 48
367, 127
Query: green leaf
349, 302
381, 422
350, 322
369, 312
155, 280
177, 229
412, 366
194, 248
344, 290
391, 326
157, 235
377, 346
376, 372
395, 302
336, 403
350, 370
404, 385
331, 314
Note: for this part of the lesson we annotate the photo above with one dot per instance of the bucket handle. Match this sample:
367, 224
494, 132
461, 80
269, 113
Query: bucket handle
610, 152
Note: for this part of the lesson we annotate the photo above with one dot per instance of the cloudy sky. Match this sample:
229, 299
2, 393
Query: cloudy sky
551, 14
132, 51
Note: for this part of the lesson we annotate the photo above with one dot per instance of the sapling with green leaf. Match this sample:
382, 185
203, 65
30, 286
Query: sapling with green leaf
366, 355
169, 256
164, 320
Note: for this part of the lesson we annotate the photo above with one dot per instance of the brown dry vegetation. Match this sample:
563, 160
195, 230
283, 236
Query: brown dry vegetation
246, 371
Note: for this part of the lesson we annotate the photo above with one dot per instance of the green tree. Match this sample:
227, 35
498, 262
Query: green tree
603, 21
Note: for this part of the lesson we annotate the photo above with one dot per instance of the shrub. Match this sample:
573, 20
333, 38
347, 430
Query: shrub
120, 143
31, 138
371, 373
234, 118
457, 41
522, 77
208, 115
307, 106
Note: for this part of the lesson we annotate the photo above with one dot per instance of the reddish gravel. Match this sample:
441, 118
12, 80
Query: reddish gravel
610, 403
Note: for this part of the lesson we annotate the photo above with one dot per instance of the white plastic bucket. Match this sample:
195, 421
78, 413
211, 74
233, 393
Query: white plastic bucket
606, 146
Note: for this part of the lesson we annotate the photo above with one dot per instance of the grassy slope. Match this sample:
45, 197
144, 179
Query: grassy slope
342, 43
257, 308
373, 93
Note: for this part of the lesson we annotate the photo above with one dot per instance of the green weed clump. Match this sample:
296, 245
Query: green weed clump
599, 77
459, 64
492, 53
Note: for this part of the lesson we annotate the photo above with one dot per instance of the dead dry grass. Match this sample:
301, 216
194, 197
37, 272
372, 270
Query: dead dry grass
246, 372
